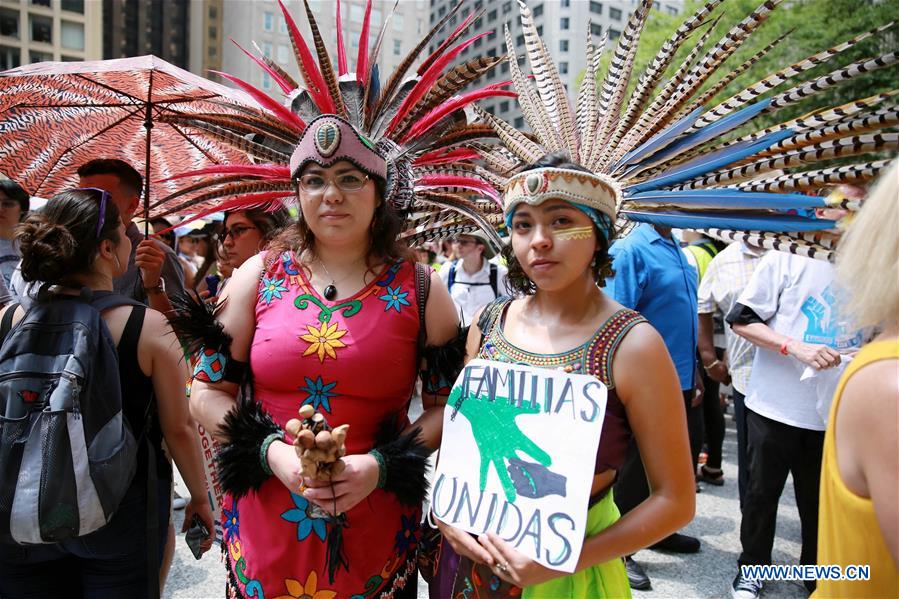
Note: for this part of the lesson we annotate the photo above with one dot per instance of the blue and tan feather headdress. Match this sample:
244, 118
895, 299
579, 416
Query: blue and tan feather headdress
665, 155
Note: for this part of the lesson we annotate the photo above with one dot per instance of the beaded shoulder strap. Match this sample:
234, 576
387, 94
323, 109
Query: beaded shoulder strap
491, 314
601, 350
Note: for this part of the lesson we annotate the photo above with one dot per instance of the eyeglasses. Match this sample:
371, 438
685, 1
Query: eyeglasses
234, 232
104, 197
315, 184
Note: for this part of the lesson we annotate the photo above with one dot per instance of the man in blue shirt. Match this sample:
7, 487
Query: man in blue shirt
653, 277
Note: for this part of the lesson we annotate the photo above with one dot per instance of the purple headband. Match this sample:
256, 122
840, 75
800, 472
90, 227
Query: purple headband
329, 139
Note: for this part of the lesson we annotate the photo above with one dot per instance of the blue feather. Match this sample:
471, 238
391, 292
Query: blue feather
374, 86
716, 129
711, 162
778, 223
659, 140
728, 199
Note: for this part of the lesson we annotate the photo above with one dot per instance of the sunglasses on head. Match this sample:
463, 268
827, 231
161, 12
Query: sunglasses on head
104, 198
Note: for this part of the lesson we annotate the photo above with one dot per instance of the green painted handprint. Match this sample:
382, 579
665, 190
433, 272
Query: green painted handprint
497, 435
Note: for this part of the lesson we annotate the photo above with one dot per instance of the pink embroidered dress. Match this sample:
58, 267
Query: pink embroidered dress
353, 360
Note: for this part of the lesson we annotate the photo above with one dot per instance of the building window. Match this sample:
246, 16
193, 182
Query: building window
65, 58
539, 29
491, 16
614, 34
283, 56
268, 21
538, 10
671, 10
41, 3
73, 6
519, 122
10, 58
504, 67
507, 7
397, 22
9, 23
478, 5
441, 11
657, 6
374, 18
519, 41
35, 56
213, 33
267, 49
41, 29
595, 7
213, 12
615, 13
595, 29
564, 23
563, 68
212, 51
266, 81
565, 3
397, 47
491, 35
479, 42
72, 35
504, 106
282, 26
563, 45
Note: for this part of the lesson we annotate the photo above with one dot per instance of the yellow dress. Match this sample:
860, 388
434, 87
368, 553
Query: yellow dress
848, 532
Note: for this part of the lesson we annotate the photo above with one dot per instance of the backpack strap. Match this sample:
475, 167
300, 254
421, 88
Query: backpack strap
493, 279
105, 300
6, 323
451, 279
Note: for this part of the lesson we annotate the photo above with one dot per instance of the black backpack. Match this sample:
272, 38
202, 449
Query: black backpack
67, 454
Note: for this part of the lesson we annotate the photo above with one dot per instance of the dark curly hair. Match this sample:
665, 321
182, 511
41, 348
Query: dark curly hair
386, 226
601, 266
60, 239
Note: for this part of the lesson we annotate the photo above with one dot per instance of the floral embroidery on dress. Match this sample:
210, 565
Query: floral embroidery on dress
405, 537
232, 523
306, 524
395, 298
309, 590
319, 393
272, 288
323, 340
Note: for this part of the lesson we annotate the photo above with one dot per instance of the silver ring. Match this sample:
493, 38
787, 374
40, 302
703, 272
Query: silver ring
502, 567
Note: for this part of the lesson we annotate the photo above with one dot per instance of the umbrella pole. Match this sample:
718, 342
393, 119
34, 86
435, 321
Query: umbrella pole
148, 125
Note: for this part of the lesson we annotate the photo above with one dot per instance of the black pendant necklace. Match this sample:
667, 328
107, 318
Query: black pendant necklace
330, 292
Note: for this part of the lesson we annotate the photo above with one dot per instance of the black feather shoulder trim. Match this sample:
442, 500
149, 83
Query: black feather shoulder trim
243, 430
195, 322
444, 363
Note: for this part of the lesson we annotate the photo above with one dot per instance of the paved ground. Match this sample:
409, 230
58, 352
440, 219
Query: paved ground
705, 574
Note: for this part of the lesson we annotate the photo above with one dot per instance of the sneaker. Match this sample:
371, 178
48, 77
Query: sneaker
636, 575
706, 475
745, 588
178, 502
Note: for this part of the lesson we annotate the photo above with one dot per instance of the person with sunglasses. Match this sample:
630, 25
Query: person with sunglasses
78, 240
246, 232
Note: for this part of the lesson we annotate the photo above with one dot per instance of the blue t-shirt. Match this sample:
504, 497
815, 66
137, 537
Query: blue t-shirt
653, 277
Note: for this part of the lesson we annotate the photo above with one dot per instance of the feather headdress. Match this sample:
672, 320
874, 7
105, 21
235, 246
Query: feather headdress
410, 130
666, 156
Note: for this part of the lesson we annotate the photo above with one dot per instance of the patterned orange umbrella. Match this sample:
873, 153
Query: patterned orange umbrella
55, 116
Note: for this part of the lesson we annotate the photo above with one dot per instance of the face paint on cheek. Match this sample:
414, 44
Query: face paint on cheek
575, 233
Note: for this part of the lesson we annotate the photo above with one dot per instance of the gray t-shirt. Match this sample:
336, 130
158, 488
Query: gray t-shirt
9, 257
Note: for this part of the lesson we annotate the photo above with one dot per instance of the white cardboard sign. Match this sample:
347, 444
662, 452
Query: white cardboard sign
517, 457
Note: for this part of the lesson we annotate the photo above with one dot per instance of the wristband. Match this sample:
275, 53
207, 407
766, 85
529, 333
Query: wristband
711, 365
263, 451
382, 467
783, 347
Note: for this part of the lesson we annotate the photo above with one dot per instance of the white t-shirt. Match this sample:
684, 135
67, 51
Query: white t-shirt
796, 296
472, 292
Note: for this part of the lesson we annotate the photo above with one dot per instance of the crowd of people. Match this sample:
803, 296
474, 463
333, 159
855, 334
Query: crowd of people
297, 322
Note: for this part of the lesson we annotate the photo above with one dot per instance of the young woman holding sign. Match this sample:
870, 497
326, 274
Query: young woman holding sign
558, 260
